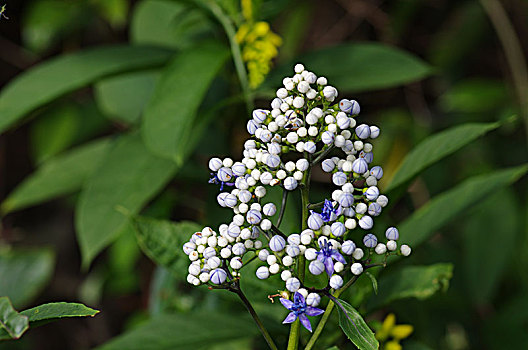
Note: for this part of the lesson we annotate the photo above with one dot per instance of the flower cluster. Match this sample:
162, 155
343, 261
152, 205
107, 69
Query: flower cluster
302, 128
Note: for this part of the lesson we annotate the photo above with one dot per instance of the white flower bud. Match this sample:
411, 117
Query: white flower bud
215, 164
313, 299
293, 284
282, 93
328, 165
218, 276
298, 68
271, 259
311, 119
243, 208
338, 266
348, 247
405, 250
322, 81
356, 268
298, 102
236, 263
316, 267
374, 132
382, 200
238, 249
302, 132
285, 275
358, 254
262, 272
260, 191
361, 208
336, 281
380, 249
292, 250
371, 181
392, 245
363, 131
265, 225
290, 183
273, 269
269, 209
392, 233
310, 254
292, 137
303, 87
214, 262
277, 243
263, 255
287, 260
302, 164
300, 146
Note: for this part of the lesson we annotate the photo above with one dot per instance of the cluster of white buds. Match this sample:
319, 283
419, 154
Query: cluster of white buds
300, 130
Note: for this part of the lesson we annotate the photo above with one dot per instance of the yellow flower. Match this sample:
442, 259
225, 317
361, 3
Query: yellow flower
393, 345
389, 328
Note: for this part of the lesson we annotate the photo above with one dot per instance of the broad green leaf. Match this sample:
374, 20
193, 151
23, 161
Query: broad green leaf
355, 328
480, 227
172, 110
475, 95
11, 321
60, 175
126, 179
436, 147
24, 273
447, 205
124, 96
359, 67
374, 281
419, 282
163, 240
54, 311
184, 331
58, 76
173, 24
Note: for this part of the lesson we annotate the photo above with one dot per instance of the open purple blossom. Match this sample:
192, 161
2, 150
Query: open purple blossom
329, 213
327, 255
215, 180
299, 309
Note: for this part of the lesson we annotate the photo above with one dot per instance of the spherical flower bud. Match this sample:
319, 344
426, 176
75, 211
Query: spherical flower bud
361, 208
215, 164
224, 174
306, 239
287, 260
368, 156
188, 248
273, 161
290, 183
214, 262
327, 137
382, 200
356, 268
310, 254
338, 229
339, 178
392, 245
274, 148
343, 122
236, 263
405, 250
374, 132
380, 249
272, 259
230, 200
316, 267
253, 217
315, 221
292, 137
336, 282
348, 188
300, 146
218, 276
366, 222
262, 272
194, 269
242, 208
358, 254
302, 132
244, 196
252, 127
370, 240
302, 164
263, 255
313, 299
348, 247
392, 233
269, 209
363, 131
292, 250
311, 94
339, 140
209, 252
233, 231
322, 81
299, 68
265, 224
238, 249
372, 193
260, 115
346, 199
374, 209
310, 147
277, 243
222, 242
282, 93
358, 145
303, 87
204, 277
294, 239
266, 177
347, 166
273, 269
260, 191
311, 119
360, 166
293, 284
245, 233
328, 165
330, 93
290, 166
371, 181
285, 275
349, 212
377, 172
298, 102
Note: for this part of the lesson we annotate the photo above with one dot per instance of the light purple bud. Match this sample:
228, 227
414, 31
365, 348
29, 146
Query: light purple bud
230, 200
316, 267
265, 136
277, 243
346, 200
359, 166
366, 222
209, 252
215, 164
377, 172
328, 165
293, 250
370, 241
269, 209
338, 229
260, 115
221, 198
348, 247
290, 183
374, 131
253, 217
218, 276
363, 131
392, 233
345, 105
252, 126
273, 161
238, 248
374, 209
233, 230
315, 221
327, 137
244, 196
372, 193
339, 178
355, 108
224, 174
274, 148
238, 169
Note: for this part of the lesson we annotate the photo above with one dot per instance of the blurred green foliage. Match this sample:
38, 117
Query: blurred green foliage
120, 104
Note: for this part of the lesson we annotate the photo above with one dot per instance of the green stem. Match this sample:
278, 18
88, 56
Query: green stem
230, 30
295, 331
513, 51
257, 320
326, 315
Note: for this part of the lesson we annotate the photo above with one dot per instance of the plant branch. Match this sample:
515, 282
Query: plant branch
322, 155
283, 207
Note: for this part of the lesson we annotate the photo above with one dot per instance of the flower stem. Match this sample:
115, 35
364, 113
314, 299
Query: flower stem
283, 206
253, 313
295, 331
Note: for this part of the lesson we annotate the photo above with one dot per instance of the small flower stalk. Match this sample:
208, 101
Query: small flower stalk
305, 127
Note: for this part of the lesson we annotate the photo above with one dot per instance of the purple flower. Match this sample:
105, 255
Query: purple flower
215, 180
329, 213
327, 255
299, 309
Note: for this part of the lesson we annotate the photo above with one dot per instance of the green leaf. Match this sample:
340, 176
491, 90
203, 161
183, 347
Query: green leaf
419, 282
11, 321
172, 24
54, 311
359, 67
124, 97
183, 331
172, 110
447, 205
24, 273
163, 240
436, 147
475, 95
60, 175
56, 77
374, 281
355, 328
480, 227
128, 177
